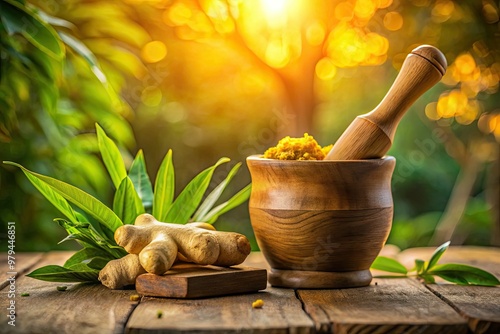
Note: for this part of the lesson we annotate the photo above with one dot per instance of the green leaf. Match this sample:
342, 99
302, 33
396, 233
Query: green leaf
419, 266
390, 265
16, 18
210, 200
53, 273
437, 255
139, 176
464, 274
111, 156
52, 196
230, 204
190, 197
86, 254
429, 279
97, 263
86, 54
56, 21
84, 201
164, 188
86, 239
127, 205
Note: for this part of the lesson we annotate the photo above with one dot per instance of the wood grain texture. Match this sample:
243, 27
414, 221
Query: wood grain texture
319, 279
333, 240
323, 216
282, 313
371, 135
390, 306
479, 305
80, 309
188, 280
320, 185
23, 263
386, 306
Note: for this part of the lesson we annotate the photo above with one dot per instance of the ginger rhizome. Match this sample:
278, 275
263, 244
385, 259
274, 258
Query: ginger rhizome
154, 247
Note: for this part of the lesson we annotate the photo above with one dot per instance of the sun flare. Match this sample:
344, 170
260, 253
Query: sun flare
273, 8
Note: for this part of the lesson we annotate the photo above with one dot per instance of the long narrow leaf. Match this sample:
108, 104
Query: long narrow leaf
53, 273
419, 265
139, 176
437, 255
464, 274
210, 200
86, 54
84, 201
238, 199
190, 197
390, 265
164, 188
17, 19
127, 205
52, 196
87, 253
111, 157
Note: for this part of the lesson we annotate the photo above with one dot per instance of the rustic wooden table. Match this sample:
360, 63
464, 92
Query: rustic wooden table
386, 306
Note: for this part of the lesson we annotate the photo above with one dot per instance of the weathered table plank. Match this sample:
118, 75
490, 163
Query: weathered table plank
386, 306
23, 262
80, 309
479, 305
282, 313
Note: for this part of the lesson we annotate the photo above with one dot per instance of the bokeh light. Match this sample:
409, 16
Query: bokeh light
154, 51
325, 69
393, 21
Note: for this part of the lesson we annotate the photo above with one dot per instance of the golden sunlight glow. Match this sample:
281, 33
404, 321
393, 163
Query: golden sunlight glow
151, 96
465, 64
344, 11
325, 69
273, 8
431, 111
365, 9
153, 51
442, 10
315, 33
393, 21
384, 3
490, 123
178, 14
277, 53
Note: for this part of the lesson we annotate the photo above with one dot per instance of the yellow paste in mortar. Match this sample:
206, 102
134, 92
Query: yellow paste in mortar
304, 148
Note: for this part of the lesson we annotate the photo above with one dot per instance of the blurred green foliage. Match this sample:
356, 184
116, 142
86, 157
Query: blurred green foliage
211, 78
53, 90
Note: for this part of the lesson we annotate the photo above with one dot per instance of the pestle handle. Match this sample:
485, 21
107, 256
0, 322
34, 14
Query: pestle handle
371, 135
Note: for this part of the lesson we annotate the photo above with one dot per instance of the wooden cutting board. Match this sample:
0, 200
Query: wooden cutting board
188, 280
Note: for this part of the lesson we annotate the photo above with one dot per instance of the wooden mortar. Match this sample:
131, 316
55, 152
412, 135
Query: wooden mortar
320, 224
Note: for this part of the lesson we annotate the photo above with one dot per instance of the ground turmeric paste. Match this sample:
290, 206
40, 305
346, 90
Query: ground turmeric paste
304, 148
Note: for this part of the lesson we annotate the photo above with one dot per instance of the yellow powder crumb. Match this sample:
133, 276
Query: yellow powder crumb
304, 148
134, 298
258, 303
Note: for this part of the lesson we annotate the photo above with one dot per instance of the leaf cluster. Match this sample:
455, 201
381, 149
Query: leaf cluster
93, 223
427, 270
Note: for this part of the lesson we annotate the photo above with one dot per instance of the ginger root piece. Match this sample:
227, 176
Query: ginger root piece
234, 247
158, 243
154, 246
121, 272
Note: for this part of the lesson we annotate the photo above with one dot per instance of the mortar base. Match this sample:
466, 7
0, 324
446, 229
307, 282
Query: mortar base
318, 279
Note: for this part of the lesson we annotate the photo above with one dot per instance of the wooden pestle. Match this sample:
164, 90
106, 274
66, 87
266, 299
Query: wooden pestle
371, 135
